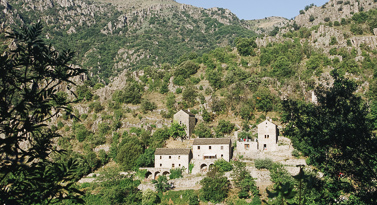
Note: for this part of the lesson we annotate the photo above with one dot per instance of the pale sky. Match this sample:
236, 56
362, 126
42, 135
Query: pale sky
257, 9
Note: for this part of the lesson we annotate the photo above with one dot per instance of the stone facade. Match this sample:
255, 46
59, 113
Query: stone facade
248, 148
268, 136
212, 149
184, 117
172, 158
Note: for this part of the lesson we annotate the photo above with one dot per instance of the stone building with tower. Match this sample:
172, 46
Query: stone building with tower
184, 117
268, 134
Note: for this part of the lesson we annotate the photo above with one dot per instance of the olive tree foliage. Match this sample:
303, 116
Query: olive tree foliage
337, 136
245, 46
30, 76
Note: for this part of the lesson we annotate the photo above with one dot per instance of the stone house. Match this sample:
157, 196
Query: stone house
172, 158
246, 147
184, 117
212, 149
207, 150
267, 136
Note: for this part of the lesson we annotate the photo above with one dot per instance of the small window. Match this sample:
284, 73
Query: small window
210, 147
169, 157
179, 165
222, 147
268, 136
198, 147
179, 157
247, 146
172, 165
160, 165
222, 155
160, 157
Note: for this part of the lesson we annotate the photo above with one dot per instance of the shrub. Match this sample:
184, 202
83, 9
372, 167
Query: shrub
60, 124
191, 166
333, 40
223, 165
178, 90
176, 173
263, 163
296, 153
333, 51
327, 19
224, 127
311, 18
336, 23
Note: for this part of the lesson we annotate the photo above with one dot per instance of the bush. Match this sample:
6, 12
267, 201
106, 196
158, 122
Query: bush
224, 127
333, 40
223, 165
178, 90
296, 153
311, 18
336, 23
263, 163
327, 19
176, 173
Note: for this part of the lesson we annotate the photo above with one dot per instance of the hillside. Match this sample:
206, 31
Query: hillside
149, 59
144, 34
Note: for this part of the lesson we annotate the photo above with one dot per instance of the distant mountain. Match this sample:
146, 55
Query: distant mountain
110, 36
334, 10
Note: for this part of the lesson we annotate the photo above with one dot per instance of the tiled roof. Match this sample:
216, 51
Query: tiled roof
209, 141
171, 151
189, 113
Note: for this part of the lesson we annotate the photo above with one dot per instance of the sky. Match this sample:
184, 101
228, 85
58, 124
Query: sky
257, 9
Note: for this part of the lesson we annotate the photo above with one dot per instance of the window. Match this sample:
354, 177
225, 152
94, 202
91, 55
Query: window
160, 157
169, 157
172, 165
160, 165
247, 146
222, 155
222, 147
210, 147
179, 157
198, 147
179, 165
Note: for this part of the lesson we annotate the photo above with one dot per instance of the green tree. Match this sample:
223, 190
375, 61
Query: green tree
176, 130
203, 131
243, 180
150, 198
207, 117
215, 186
336, 134
128, 152
30, 77
115, 188
245, 46
189, 95
263, 99
161, 184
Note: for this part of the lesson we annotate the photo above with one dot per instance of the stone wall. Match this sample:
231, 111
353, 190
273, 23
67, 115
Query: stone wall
247, 148
167, 161
183, 118
219, 151
267, 136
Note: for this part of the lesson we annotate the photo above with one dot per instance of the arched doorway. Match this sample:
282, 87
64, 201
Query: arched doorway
148, 175
166, 173
156, 175
203, 168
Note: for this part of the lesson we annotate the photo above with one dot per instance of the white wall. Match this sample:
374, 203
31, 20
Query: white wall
225, 151
179, 161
